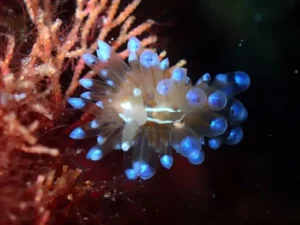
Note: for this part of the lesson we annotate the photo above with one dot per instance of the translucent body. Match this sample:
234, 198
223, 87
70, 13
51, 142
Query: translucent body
147, 109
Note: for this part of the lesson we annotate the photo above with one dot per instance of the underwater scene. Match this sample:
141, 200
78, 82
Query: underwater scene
124, 112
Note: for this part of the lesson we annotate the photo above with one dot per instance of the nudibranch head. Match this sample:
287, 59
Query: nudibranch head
147, 109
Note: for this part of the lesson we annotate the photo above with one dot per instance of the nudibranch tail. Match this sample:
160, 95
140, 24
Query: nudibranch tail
147, 109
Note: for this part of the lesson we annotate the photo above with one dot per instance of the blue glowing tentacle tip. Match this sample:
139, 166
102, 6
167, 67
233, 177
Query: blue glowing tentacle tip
94, 154
104, 51
222, 78
143, 170
104, 72
164, 86
89, 59
214, 143
235, 135
196, 157
131, 174
196, 97
77, 133
95, 124
166, 161
219, 125
206, 78
133, 44
77, 103
100, 104
217, 100
237, 111
179, 74
86, 95
149, 59
146, 172
242, 79
189, 144
164, 64
85, 82
110, 83
101, 140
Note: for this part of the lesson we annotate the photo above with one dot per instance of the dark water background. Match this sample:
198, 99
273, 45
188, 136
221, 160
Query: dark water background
258, 181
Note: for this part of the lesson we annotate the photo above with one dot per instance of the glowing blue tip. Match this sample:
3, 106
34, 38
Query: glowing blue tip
89, 59
214, 143
217, 100
237, 111
95, 124
221, 77
205, 78
100, 140
242, 80
149, 59
235, 135
104, 72
133, 44
94, 154
179, 74
110, 83
86, 95
219, 125
195, 96
189, 144
164, 64
77, 133
146, 171
77, 103
131, 174
196, 157
143, 170
163, 86
100, 104
87, 83
166, 161
104, 51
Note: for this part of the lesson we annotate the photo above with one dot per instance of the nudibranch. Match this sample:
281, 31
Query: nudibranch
146, 109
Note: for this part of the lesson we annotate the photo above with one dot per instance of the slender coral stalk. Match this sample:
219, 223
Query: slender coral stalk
5, 62
31, 100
